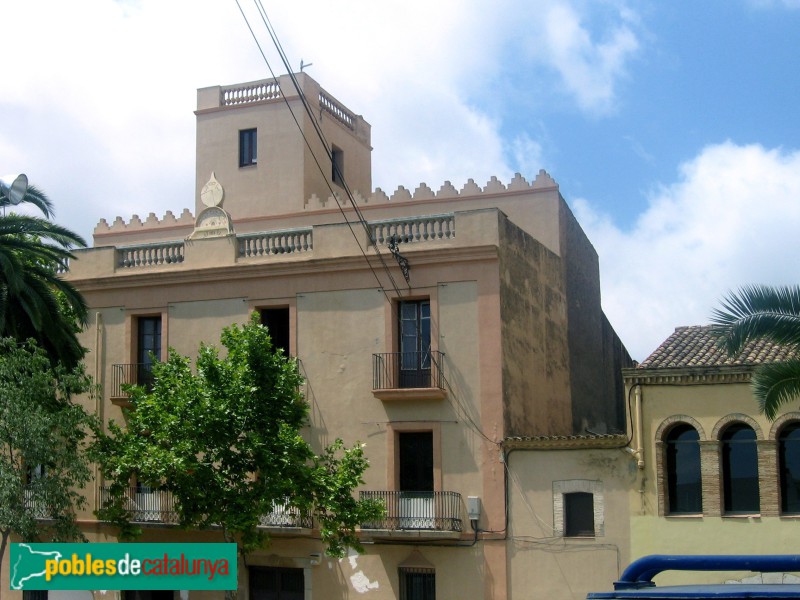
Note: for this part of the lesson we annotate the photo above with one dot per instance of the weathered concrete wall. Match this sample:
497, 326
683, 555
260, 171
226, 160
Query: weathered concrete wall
533, 312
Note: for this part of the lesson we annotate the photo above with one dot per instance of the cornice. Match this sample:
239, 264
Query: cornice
689, 375
302, 266
565, 442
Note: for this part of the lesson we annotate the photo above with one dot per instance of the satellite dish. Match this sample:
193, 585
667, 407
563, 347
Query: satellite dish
16, 191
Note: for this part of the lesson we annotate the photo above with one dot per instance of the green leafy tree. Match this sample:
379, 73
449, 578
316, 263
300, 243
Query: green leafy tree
226, 441
44, 440
34, 301
769, 313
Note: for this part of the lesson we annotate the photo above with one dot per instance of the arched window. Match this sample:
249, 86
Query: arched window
740, 469
684, 484
789, 453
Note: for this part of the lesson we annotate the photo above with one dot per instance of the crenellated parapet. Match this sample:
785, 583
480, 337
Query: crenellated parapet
470, 189
152, 222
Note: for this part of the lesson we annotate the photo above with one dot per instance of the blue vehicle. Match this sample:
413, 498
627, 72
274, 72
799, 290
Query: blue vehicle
636, 582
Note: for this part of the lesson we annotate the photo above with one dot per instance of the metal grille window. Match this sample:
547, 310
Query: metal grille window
579, 514
417, 584
740, 470
684, 484
248, 147
789, 449
273, 583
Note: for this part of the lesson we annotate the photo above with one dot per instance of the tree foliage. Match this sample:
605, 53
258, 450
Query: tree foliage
768, 313
41, 431
226, 441
34, 301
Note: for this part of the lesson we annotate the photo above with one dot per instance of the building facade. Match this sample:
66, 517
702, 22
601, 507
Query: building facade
714, 475
433, 326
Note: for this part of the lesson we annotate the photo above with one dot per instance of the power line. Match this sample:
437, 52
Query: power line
323, 141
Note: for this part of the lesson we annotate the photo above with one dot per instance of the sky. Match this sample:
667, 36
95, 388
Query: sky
672, 128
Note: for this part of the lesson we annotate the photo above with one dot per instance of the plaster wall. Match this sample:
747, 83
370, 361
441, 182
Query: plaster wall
545, 564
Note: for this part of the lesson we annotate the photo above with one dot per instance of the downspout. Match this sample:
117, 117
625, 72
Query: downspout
98, 396
639, 432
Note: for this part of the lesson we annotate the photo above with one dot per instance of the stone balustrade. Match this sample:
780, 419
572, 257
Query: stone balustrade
148, 255
249, 93
414, 229
338, 111
275, 242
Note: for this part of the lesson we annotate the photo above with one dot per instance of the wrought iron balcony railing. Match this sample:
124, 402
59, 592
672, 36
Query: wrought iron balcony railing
37, 506
433, 511
399, 370
146, 504
130, 374
286, 516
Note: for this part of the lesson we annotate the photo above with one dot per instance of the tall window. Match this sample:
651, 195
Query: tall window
684, 484
415, 344
789, 451
248, 147
148, 348
276, 320
337, 165
579, 514
417, 584
272, 583
740, 469
415, 503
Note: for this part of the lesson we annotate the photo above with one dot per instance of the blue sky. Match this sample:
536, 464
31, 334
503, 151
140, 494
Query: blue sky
671, 127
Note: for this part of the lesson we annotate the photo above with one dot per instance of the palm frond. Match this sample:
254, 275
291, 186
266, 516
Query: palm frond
758, 311
33, 196
775, 384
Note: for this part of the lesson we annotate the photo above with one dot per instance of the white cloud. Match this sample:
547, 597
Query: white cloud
730, 219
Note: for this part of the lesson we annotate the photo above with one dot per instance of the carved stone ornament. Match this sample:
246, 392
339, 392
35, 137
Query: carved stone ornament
212, 222
212, 192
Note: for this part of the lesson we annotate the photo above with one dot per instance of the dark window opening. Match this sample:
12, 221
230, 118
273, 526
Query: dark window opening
417, 584
337, 165
415, 344
276, 320
579, 514
248, 147
684, 483
740, 470
148, 595
148, 349
416, 461
789, 455
273, 583
34, 594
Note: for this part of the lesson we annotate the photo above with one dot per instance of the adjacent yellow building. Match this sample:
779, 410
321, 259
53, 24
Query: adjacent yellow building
714, 475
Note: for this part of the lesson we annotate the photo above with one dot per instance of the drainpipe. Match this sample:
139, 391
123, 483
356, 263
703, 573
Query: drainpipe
638, 435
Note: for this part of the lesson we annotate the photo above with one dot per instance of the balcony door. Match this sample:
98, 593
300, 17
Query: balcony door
148, 349
415, 344
147, 503
415, 505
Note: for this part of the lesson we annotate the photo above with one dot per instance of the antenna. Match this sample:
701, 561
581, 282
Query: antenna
304, 65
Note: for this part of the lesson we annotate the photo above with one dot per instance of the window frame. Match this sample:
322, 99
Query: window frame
790, 428
426, 577
248, 147
337, 165
574, 524
732, 499
674, 462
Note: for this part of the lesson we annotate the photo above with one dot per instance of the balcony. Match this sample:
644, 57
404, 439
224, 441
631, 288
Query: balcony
408, 376
283, 516
146, 504
416, 514
130, 374
154, 506
36, 506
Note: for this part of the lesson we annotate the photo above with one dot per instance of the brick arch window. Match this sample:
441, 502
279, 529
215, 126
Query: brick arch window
684, 482
789, 467
740, 469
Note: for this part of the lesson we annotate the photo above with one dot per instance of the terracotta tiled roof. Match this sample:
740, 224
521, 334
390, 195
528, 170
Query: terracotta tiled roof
695, 346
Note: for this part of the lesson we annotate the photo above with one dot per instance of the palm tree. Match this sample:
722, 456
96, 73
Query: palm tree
772, 314
34, 301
